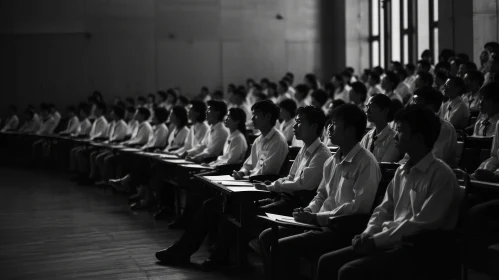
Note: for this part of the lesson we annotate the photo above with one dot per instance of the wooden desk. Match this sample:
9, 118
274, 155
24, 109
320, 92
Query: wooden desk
240, 219
484, 188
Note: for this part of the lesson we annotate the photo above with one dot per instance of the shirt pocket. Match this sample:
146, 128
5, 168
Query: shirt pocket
344, 189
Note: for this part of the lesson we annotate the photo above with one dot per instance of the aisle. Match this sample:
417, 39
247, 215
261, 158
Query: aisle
51, 228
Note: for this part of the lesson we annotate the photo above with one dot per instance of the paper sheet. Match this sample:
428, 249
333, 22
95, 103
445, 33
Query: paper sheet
219, 178
168, 156
193, 165
243, 189
178, 161
288, 220
130, 150
235, 183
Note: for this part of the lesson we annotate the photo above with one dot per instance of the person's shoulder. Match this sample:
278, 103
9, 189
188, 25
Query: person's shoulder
280, 137
364, 156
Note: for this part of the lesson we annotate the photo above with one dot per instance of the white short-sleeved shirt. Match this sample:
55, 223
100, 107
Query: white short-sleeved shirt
384, 146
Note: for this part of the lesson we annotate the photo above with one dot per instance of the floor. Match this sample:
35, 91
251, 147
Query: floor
51, 228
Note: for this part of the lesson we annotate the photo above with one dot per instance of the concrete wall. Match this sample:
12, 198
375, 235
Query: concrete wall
61, 50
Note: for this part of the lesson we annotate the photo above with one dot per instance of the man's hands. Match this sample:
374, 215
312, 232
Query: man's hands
237, 175
263, 186
363, 244
305, 215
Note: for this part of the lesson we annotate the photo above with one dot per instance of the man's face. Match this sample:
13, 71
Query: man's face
302, 127
211, 115
486, 105
470, 83
259, 119
374, 112
336, 131
449, 89
403, 137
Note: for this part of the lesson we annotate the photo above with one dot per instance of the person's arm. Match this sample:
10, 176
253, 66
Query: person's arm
272, 163
392, 154
308, 179
492, 163
119, 133
440, 197
316, 203
249, 164
200, 147
364, 189
217, 145
237, 149
382, 213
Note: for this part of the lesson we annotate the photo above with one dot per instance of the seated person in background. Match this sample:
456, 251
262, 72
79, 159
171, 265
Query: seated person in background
402, 89
176, 139
422, 197
55, 114
349, 183
84, 125
267, 155
79, 157
373, 83
131, 122
160, 131
48, 121
445, 148
238, 100
455, 110
236, 146
474, 80
117, 130
270, 149
287, 114
283, 91
423, 79
213, 142
489, 107
198, 130
389, 83
300, 95
12, 121
73, 121
325, 133
358, 95
440, 76
32, 122
306, 172
319, 99
144, 134
380, 140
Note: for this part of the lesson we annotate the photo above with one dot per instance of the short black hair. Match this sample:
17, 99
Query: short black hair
314, 116
457, 61
200, 108
442, 74
289, 105
464, 57
352, 116
470, 65
161, 114
238, 114
430, 96
101, 106
379, 70
119, 111
241, 93
401, 72
181, 114
71, 108
421, 120
302, 88
425, 63
491, 45
477, 76
131, 109
85, 108
490, 91
375, 77
361, 89
267, 107
426, 77
218, 93
426, 52
383, 102
220, 107
459, 83
320, 95
152, 96
284, 84
411, 67
443, 65
144, 112
183, 99
446, 54
162, 94
172, 93
337, 102
393, 78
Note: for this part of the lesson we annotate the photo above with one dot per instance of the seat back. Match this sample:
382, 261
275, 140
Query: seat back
387, 172
464, 189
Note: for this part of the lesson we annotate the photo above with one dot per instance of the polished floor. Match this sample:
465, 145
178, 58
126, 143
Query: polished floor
51, 228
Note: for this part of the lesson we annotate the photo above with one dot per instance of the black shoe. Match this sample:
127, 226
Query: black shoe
162, 214
171, 255
212, 264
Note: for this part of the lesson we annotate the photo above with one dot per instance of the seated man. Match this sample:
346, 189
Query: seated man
287, 114
455, 110
306, 172
445, 147
489, 107
380, 140
198, 130
422, 197
267, 155
73, 121
213, 142
349, 183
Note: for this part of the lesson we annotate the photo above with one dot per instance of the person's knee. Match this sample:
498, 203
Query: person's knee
349, 272
265, 238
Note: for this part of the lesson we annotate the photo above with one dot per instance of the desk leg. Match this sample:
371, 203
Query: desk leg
242, 243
